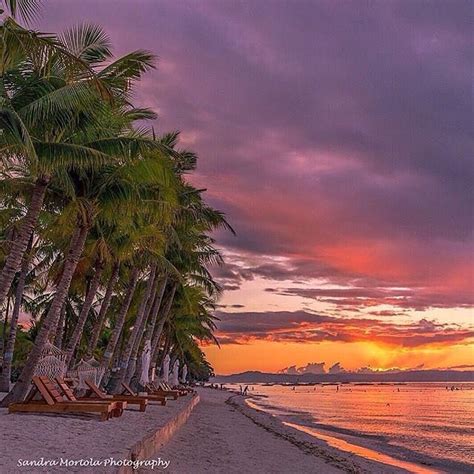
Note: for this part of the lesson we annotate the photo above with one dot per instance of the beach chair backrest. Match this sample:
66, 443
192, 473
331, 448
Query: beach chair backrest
128, 389
32, 393
95, 389
68, 393
43, 390
51, 388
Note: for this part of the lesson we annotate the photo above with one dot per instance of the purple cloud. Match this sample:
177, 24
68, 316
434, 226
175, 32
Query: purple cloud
335, 134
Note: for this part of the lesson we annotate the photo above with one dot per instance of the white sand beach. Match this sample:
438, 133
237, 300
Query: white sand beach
223, 434
52, 437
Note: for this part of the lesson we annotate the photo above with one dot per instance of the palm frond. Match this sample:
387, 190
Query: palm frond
88, 42
28, 10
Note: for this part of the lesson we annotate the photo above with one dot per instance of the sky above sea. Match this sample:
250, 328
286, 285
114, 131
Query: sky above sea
337, 137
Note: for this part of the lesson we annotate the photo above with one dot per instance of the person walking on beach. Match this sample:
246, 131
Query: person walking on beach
246, 389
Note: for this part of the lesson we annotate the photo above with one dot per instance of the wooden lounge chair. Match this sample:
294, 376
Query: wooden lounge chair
54, 403
69, 394
167, 386
95, 393
151, 398
154, 390
186, 388
116, 407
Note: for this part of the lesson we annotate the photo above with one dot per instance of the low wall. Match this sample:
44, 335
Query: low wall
148, 446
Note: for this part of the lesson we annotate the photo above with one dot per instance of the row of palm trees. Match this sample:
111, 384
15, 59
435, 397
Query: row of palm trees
104, 241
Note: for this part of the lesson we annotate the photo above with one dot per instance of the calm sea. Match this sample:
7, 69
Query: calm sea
428, 424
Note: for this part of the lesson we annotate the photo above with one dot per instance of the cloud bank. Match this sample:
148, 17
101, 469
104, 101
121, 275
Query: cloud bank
303, 326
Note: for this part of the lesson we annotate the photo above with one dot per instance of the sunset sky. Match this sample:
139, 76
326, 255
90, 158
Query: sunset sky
337, 137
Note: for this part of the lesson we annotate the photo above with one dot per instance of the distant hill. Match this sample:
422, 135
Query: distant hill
402, 376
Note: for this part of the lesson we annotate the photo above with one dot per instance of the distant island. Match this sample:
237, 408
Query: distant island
347, 377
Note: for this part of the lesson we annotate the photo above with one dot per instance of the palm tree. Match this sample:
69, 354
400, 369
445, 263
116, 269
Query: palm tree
120, 320
95, 195
72, 155
95, 333
5, 374
37, 112
78, 329
137, 327
189, 324
162, 319
148, 325
52, 92
95, 137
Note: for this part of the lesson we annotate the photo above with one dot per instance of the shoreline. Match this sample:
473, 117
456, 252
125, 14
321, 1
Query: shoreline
345, 461
367, 448
240, 438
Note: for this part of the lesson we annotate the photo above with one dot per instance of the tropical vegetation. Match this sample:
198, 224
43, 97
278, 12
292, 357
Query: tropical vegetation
104, 243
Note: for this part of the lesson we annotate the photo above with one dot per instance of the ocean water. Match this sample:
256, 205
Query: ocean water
424, 423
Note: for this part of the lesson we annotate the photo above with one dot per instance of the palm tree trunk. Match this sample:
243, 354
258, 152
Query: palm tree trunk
109, 352
103, 310
154, 310
157, 337
22, 386
162, 355
173, 357
58, 338
78, 329
4, 328
19, 245
153, 314
163, 318
137, 329
113, 364
10, 344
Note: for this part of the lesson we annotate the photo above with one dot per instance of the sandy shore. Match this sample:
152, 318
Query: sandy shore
224, 435
52, 437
